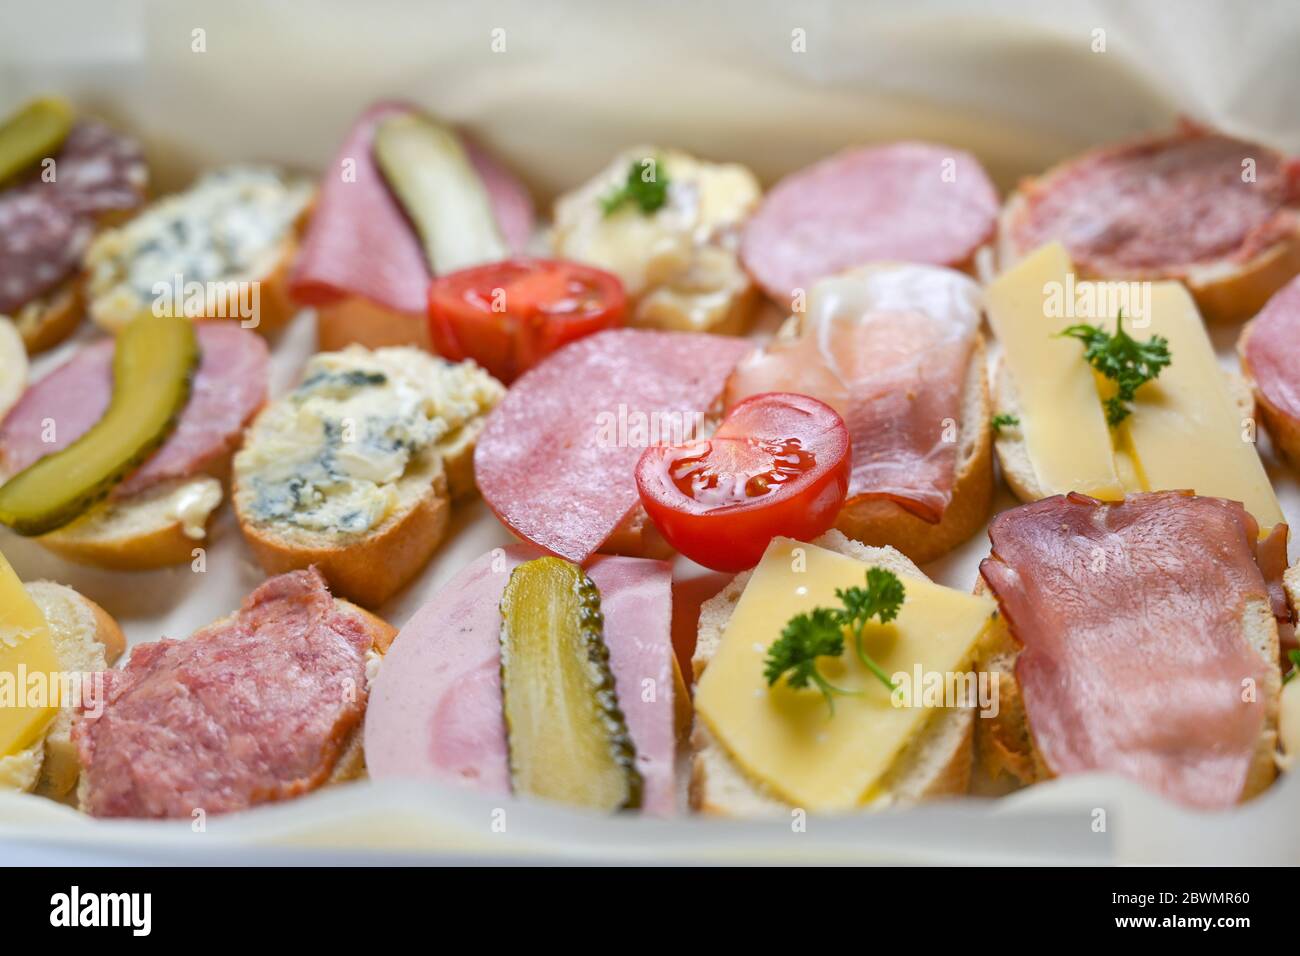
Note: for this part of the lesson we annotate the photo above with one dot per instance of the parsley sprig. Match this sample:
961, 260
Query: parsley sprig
648, 192
820, 633
1003, 420
1294, 658
1122, 359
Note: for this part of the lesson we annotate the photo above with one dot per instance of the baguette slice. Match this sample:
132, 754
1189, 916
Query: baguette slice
936, 763
47, 321
356, 320
1004, 743
1009, 442
882, 523
87, 640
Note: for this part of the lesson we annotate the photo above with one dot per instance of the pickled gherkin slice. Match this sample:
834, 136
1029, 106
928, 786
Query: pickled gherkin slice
33, 133
153, 363
430, 173
567, 738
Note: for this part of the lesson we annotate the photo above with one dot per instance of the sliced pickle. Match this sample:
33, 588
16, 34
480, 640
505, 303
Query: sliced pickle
153, 363
427, 168
33, 133
567, 737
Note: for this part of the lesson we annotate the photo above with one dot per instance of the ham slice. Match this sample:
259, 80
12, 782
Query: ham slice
229, 386
556, 458
360, 241
902, 202
888, 347
1130, 619
1273, 352
435, 707
254, 708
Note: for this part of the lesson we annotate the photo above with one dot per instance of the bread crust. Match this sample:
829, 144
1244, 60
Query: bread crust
1282, 428
936, 763
49, 320
883, 523
357, 320
1225, 291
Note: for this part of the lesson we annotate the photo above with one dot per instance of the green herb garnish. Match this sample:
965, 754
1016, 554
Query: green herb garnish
1003, 420
1294, 658
820, 633
646, 186
1122, 359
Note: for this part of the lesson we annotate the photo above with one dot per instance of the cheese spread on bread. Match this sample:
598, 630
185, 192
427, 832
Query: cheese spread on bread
230, 226
678, 263
328, 457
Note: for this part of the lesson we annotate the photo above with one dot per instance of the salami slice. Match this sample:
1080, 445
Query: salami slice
252, 709
1272, 352
905, 202
1158, 207
360, 241
45, 226
556, 458
228, 388
435, 712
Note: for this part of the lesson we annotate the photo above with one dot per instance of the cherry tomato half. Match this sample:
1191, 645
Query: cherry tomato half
508, 316
777, 465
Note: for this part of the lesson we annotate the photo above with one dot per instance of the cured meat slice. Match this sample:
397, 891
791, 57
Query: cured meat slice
1158, 207
360, 241
1130, 618
46, 225
435, 711
251, 709
905, 202
556, 459
1272, 352
229, 386
889, 348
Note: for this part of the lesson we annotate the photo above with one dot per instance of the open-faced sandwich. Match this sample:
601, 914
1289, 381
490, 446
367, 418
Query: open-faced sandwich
1108, 388
405, 200
668, 225
220, 249
1270, 358
263, 705
834, 677
896, 350
531, 675
52, 643
62, 179
1138, 637
1219, 214
355, 469
117, 457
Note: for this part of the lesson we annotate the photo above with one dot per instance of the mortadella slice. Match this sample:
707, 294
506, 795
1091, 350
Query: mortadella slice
902, 202
1131, 618
229, 387
360, 241
556, 459
435, 706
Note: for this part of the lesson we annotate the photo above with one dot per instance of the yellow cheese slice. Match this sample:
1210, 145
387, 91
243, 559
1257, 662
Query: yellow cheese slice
29, 666
1061, 417
786, 738
1185, 430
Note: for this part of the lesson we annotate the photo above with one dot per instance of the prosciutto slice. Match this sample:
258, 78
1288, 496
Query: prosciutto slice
435, 708
229, 386
1133, 659
888, 347
556, 459
251, 709
360, 241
